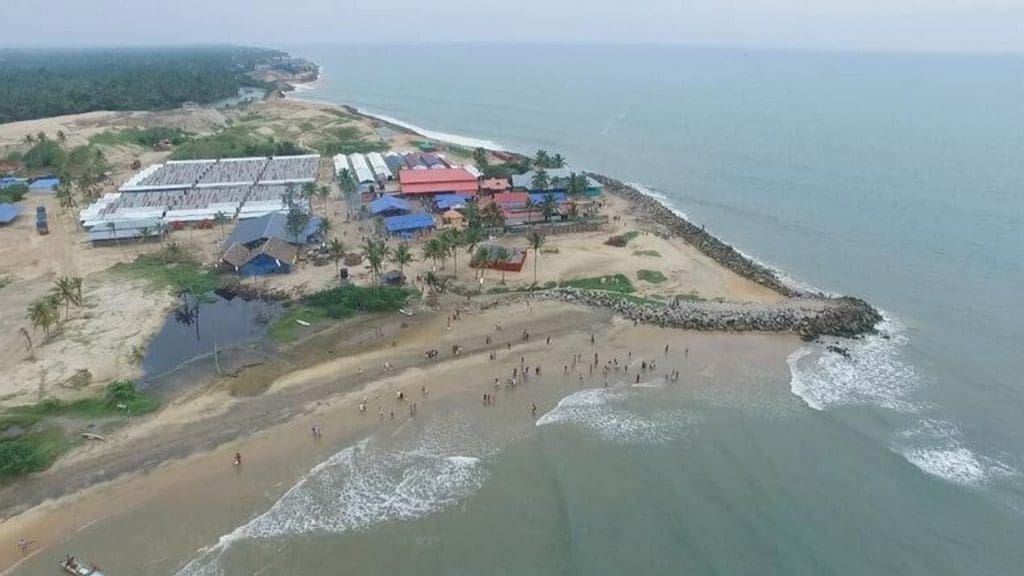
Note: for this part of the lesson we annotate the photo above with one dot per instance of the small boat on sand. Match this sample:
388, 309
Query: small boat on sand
301, 322
73, 566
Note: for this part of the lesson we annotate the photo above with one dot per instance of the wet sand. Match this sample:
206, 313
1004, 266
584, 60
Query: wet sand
154, 520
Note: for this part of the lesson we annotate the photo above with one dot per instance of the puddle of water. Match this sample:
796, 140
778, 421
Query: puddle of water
203, 324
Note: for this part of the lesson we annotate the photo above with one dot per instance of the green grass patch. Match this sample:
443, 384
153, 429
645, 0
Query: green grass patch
338, 304
611, 283
652, 253
652, 276
631, 235
121, 397
693, 296
5, 279
31, 452
347, 140
286, 328
30, 441
234, 142
172, 267
146, 137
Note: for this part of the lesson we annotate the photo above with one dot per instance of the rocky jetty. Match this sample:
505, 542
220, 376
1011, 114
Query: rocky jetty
810, 317
662, 218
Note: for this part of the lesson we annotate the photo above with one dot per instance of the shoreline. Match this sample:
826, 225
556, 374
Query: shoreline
841, 316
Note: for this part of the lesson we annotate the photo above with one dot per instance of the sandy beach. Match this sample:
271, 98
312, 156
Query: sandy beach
204, 489
176, 464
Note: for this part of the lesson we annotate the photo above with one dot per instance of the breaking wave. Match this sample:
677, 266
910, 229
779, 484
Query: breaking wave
353, 490
661, 198
456, 139
608, 413
938, 448
872, 373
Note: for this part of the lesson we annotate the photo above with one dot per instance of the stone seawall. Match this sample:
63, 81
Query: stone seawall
809, 316
649, 209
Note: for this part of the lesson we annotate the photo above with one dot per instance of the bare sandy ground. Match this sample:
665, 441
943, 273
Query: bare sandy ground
278, 450
324, 375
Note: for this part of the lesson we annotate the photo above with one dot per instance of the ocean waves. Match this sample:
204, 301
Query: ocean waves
612, 414
355, 489
938, 448
872, 373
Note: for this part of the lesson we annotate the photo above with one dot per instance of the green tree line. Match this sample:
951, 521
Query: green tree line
43, 83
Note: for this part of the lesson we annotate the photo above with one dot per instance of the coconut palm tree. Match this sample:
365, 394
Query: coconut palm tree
61, 137
29, 139
540, 181
323, 228
549, 207
220, 219
65, 195
66, 291
480, 158
472, 215
536, 241
43, 313
493, 216
375, 252
336, 251
471, 238
541, 159
577, 185
307, 193
347, 182
529, 209
557, 161
452, 240
401, 256
434, 250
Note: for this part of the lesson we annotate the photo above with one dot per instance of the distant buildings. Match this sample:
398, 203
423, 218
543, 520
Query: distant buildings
440, 181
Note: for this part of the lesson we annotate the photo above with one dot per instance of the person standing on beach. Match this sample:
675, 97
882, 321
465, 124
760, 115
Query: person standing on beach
238, 460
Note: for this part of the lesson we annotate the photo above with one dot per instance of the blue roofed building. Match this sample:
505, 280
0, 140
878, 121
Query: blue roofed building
389, 206
450, 202
274, 256
408, 225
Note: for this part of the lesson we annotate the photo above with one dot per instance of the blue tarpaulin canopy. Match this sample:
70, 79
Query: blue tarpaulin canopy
44, 184
539, 198
9, 212
448, 201
408, 223
388, 204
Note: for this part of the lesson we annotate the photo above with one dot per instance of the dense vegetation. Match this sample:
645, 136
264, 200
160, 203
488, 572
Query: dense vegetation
235, 142
174, 267
42, 83
339, 303
146, 137
13, 193
32, 440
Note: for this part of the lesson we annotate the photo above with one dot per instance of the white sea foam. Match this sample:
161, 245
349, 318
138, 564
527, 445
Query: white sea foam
355, 489
467, 141
873, 374
938, 448
661, 198
607, 412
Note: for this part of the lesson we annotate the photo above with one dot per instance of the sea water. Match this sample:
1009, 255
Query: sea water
898, 178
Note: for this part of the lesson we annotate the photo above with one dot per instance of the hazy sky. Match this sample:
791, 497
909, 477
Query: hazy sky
919, 25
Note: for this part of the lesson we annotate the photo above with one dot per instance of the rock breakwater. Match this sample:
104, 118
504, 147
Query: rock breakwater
810, 316
662, 218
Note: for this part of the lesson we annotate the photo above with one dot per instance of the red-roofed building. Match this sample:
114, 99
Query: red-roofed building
447, 180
